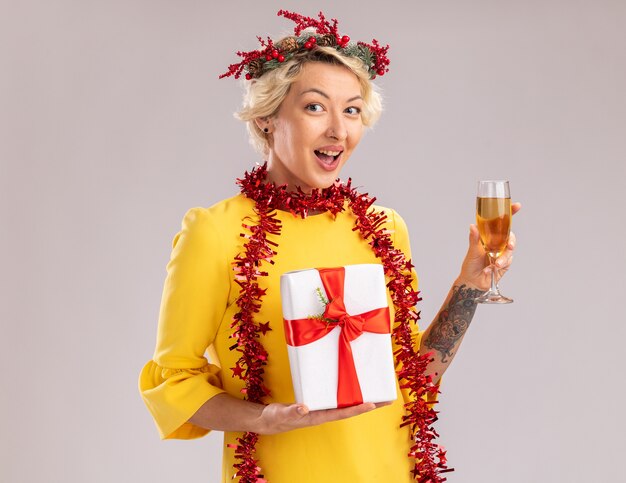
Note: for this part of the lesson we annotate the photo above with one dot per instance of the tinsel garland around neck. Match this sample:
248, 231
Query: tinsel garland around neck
430, 458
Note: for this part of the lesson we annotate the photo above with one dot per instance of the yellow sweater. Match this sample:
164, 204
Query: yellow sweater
195, 316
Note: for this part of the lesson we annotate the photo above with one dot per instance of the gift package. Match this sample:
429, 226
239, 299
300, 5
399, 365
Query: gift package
337, 326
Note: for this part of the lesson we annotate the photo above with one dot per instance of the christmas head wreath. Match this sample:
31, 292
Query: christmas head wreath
309, 33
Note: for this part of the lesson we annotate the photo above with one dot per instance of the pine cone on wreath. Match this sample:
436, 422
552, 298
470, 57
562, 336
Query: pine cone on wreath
288, 44
327, 40
255, 67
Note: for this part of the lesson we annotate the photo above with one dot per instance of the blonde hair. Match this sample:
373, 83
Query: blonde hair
263, 96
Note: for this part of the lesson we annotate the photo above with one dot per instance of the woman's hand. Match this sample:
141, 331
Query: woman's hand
227, 413
476, 270
277, 418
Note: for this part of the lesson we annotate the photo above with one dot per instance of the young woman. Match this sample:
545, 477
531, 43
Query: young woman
308, 99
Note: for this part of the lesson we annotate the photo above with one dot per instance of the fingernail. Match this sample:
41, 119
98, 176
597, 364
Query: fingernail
301, 411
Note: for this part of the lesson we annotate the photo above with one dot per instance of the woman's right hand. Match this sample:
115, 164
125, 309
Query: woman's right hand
224, 412
278, 418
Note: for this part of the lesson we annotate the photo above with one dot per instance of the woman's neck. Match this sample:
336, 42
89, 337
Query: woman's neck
280, 175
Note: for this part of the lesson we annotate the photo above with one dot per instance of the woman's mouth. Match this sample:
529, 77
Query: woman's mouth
328, 159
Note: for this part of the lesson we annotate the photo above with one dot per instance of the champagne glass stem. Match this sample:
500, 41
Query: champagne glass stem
494, 286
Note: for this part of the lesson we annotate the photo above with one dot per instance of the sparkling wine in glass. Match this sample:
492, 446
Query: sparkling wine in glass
493, 217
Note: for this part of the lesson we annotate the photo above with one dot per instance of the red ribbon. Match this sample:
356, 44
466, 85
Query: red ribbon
304, 331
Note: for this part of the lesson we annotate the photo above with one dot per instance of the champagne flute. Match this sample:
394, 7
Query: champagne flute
493, 217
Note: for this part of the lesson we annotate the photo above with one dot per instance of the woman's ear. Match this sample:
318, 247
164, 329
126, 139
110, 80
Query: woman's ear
264, 124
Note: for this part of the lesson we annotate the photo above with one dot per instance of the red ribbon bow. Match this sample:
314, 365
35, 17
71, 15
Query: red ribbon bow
304, 331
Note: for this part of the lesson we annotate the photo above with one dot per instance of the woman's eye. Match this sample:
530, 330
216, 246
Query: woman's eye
314, 108
353, 110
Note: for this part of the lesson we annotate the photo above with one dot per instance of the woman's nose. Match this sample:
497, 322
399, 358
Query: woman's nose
337, 128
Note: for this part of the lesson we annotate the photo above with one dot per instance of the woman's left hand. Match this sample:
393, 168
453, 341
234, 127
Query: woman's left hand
476, 270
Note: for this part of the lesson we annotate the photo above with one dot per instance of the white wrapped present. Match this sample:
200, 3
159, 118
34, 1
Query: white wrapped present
337, 325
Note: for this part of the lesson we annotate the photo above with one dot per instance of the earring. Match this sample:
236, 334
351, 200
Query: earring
266, 130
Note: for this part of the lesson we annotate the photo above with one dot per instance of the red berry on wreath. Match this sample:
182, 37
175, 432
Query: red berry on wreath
308, 45
268, 57
274, 53
248, 76
381, 71
281, 58
312, 40
345, 39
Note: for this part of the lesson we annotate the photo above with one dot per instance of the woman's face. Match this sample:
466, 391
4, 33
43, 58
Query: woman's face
317, 127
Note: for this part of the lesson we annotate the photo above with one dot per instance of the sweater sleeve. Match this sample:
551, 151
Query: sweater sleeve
179, 379
401, 242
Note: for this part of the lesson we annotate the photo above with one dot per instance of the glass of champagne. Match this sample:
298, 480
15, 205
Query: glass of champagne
493, 217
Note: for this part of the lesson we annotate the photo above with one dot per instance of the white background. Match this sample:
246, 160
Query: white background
113, 123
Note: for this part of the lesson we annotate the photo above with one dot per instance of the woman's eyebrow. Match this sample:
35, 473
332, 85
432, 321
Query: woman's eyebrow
313, 89
323, 94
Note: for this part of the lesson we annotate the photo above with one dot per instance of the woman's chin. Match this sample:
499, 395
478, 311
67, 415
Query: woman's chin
325, 181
